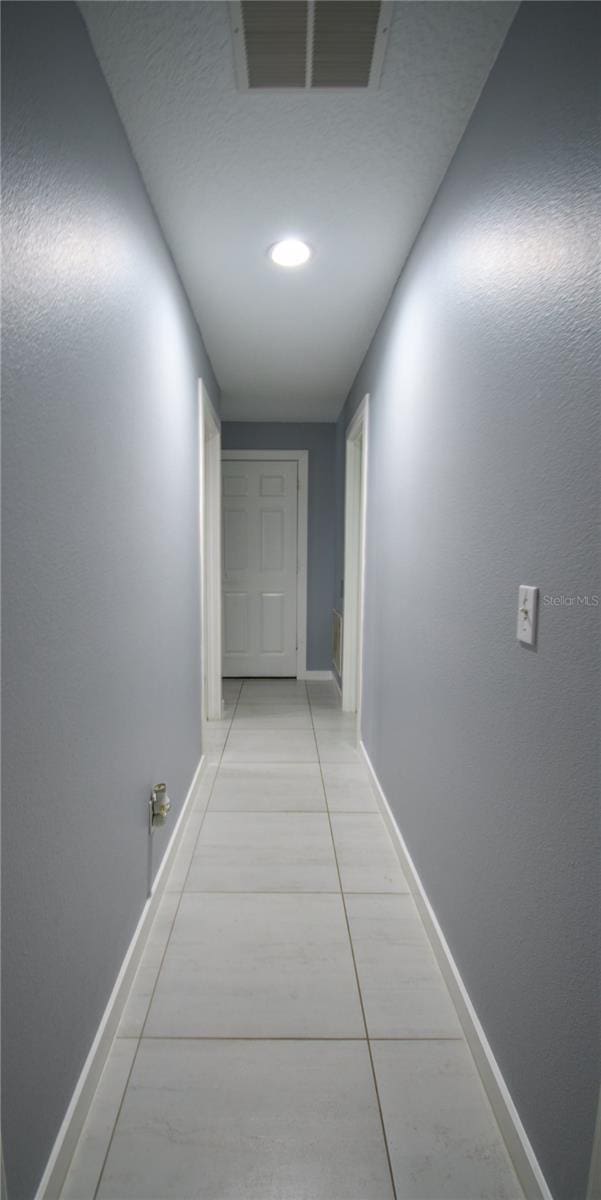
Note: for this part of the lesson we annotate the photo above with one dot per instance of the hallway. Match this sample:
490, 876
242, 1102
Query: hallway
288, 1034
300, 375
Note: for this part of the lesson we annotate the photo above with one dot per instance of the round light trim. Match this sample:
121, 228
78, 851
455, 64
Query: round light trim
291, 252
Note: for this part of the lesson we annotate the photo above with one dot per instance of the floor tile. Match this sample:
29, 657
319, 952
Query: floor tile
333, 720
337, 747
140, 994
251, 965
441, 1133
320, 690
270, 745
404, 994
214, 754
366, 856
161, 925
249, 1121
260, 691
230, 688
138, 1001
212, 747
215, 737
179, 870
348, 788
217, 728
213, 741
209, 776
216, 1118
276, 716
268, 787
87, 1162
264, 852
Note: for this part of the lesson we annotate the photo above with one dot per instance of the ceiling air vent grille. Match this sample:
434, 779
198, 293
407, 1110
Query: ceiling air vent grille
344, 35
275, 37
310, 44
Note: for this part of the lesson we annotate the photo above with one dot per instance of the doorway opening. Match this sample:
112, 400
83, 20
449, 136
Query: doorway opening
209, 460
265, 529
355, 505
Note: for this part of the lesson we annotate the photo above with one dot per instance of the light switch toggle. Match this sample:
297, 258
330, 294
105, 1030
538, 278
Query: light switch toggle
527, 614
158, 805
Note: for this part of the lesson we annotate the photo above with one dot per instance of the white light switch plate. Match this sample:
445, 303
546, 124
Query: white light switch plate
527, 614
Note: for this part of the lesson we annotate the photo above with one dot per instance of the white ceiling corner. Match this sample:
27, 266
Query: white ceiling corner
230, 172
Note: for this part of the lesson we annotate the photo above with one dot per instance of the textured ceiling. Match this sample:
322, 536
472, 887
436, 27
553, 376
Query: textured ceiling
229, 173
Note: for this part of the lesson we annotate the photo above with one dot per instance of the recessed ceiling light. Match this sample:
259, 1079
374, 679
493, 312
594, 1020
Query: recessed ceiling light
290, 253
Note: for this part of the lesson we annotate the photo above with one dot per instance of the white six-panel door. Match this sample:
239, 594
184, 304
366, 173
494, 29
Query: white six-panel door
259, 505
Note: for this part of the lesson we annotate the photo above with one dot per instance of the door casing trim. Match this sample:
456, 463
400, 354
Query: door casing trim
209, 487
302, 458
355, 513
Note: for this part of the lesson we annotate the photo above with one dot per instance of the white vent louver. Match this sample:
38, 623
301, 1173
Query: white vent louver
309, 44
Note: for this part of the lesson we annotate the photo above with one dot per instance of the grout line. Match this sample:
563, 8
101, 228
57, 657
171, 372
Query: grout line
295, 812
354, 892
266, 1037
280, 891
352, 949
274, 762
261, 892
160, 967
291, 1037
418, 1037
271, 812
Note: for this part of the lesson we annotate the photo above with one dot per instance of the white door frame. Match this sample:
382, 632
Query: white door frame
302, 458
355, 508
209, 470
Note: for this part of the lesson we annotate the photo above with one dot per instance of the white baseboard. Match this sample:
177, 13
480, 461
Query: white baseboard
316, 676
516, 1139
62, 1152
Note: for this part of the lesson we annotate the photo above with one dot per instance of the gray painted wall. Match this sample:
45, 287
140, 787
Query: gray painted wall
100, 608
484, 474
320, 440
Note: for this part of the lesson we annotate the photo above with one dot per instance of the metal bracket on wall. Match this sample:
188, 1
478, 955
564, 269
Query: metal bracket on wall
158, 806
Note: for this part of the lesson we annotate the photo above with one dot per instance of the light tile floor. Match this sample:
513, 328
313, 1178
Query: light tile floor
288, 1035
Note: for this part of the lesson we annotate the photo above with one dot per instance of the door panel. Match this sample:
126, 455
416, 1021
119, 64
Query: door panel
260, 503
236, 623
272, 540
235, 539
273, 607
273, 485
235, 486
